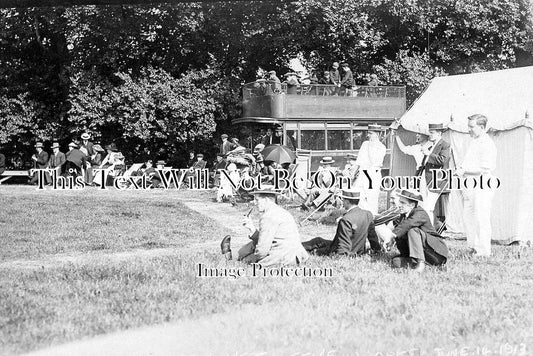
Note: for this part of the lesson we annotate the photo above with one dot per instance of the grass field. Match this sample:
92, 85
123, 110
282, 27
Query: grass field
82, 263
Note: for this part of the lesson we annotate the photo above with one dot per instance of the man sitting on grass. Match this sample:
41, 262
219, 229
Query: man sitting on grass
353, 230
277, 240
416, 239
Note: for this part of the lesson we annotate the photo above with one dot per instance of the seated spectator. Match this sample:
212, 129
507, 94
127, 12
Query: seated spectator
75, 161
347, 81
326, 173
274, 82
220, 163
40, 161
200, 163
57, 159
292, 82
191, 160
151, 174
327, 88
98, 156
354, 228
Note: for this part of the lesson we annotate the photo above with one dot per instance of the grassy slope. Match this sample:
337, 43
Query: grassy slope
365, 307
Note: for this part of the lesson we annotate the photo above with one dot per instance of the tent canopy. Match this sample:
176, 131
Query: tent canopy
504, 96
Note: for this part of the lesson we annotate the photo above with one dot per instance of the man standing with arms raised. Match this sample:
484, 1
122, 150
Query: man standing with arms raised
479, 161
436, 156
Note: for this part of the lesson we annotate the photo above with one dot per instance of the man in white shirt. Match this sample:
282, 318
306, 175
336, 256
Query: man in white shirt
324, 181
479, 160
369, 162
415, 150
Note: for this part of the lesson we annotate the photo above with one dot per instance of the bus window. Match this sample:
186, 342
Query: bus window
359, 136
313, 136
338, 137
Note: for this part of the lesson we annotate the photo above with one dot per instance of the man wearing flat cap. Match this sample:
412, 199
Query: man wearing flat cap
40, 161
277, 241
436, 156
416, 239
354, 228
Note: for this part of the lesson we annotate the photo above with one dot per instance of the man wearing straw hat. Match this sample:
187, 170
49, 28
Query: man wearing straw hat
369, 163
325, 178
353, 230
416, 239
436, 156
277, 240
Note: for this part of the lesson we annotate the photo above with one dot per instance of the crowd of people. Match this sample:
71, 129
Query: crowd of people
408, 223
338, 80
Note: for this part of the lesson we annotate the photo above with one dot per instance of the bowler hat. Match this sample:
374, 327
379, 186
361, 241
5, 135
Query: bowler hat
112, 147
72, 144
279, 128
436, 127
374, 127
327, 160
85, 136
55, 145
350, 194
410, 195
39, 145
266, 190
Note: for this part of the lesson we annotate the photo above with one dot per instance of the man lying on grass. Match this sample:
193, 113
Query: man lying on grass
353, 230
277, 241
416, 239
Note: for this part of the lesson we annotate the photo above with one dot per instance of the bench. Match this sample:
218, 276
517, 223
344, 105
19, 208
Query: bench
8, 174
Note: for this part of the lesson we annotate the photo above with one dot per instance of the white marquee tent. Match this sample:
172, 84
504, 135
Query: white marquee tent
506, 98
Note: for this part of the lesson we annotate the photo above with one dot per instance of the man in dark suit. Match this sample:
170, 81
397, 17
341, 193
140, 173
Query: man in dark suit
57, 158
40, 161
416, 239
436, 156
225, 146
353, 230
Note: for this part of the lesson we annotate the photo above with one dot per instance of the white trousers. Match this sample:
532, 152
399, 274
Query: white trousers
369, 197
477, 204
430, 199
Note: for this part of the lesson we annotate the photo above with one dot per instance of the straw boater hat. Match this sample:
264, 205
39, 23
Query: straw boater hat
289, 74
55, 145
259, 147
410, 195
350, 194
374, 128
351, 156
335, 65
85, 136
39, 145
200, 155
279, 128
327, 160
160, 163
72, 144
266, 190
98, 148
439, 127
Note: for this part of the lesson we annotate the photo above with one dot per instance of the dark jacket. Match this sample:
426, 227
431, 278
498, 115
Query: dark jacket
347, 79
352, 231
42, 159
57, 160
77, 157
199, 164
438, 159
418, 218
335, 76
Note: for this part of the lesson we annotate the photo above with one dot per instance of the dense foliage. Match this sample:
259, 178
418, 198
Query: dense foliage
159, 80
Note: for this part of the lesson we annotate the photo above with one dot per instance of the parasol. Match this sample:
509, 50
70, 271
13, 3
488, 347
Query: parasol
278, 153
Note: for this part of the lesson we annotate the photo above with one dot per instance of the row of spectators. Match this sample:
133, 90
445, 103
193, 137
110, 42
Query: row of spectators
333, 81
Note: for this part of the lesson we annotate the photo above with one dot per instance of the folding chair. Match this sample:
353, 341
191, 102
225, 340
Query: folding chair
319, 202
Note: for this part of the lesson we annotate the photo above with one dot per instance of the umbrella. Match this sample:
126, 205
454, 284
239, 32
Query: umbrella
278, 153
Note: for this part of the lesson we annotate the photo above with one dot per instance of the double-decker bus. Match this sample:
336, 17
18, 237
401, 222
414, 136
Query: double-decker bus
321, 119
